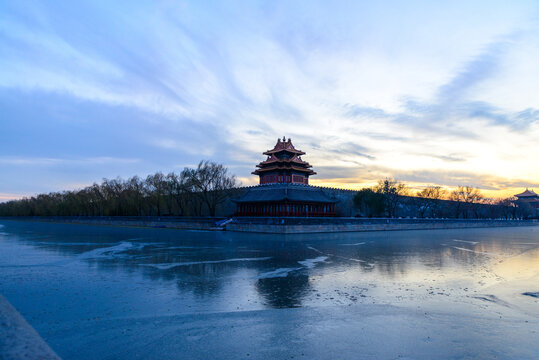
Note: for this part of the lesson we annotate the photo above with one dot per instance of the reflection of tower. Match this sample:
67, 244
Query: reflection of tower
284, 292
288, 291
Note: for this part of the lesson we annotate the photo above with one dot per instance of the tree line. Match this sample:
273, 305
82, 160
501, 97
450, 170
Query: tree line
391, 198
192, 192
199, 192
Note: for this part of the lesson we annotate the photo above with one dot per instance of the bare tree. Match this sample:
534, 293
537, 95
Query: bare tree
464, 199
211, 183
156, 188
429, 200
393, 191
178, 192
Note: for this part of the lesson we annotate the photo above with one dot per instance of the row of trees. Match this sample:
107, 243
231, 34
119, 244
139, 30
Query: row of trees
391, 198
199, 192
193, 192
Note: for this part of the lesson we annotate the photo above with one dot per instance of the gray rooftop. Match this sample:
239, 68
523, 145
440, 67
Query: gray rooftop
282, 192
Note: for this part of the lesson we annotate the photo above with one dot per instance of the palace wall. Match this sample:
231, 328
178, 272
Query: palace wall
344, 206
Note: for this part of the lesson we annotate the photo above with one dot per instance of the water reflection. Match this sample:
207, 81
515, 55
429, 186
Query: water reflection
284, 292
223, 270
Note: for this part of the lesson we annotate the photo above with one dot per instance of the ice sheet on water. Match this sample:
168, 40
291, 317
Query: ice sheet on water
532, 294
311, 263
356, 244
168, 266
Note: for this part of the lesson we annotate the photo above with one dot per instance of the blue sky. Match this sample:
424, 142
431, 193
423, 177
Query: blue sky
423, 91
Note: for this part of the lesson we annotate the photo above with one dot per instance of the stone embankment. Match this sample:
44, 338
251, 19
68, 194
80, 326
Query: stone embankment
280, 225
18, 340
169, 222
328, 225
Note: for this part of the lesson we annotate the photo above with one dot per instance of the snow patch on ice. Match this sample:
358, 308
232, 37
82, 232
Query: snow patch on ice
466, 241
493, 299
72, 243
356, 244
281, 272
349, 259
109, 252
189, 247
187, 263
311, 263
469, 250
314, 249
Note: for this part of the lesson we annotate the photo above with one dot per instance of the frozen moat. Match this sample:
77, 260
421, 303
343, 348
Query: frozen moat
123, 293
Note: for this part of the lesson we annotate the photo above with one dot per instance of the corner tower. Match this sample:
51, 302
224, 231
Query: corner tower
284, 165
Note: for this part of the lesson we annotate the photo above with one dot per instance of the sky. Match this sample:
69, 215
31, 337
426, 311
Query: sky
426, 92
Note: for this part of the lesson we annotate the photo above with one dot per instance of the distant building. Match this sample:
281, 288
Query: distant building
529, 197
284, 189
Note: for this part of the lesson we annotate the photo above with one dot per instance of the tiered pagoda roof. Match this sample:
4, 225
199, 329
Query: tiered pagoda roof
284, 158
526, 194
285, 145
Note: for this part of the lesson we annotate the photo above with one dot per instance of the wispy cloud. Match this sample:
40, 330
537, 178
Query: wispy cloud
450, 157
7, 197
17, 160
101, 89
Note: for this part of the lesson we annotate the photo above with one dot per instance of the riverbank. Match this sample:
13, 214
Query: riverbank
280, 225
